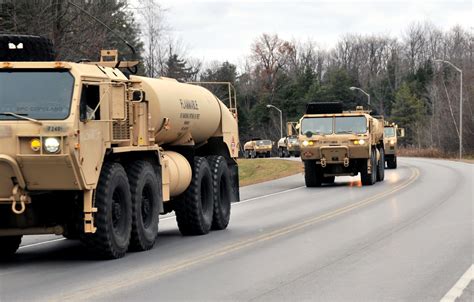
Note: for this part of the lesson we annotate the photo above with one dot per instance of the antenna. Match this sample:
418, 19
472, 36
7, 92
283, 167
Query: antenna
106, 26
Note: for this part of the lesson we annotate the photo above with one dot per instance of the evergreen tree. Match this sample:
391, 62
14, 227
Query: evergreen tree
409, 110
178, 69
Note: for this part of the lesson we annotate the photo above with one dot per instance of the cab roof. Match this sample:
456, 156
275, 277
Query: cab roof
79, 69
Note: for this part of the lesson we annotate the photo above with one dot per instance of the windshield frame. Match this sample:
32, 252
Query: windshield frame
333, 125
69, 101
263, 142
394, 133
292, 140
314, 118
347, 117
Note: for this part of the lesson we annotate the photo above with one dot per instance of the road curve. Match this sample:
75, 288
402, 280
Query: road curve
409, 238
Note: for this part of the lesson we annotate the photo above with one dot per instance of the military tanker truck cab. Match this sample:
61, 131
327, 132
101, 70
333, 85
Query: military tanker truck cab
341, 143
289, 145
391, 134
89, 153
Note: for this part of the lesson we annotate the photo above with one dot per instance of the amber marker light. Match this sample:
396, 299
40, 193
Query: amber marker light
35, 144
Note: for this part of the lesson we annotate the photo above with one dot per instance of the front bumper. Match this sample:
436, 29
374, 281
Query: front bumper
334, 154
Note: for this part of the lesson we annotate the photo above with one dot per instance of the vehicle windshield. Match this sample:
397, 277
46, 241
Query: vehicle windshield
317, 125
389, 132
351, 124
292, 140
264, 143
37, 94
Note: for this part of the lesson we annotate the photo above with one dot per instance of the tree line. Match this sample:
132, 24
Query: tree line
401, 75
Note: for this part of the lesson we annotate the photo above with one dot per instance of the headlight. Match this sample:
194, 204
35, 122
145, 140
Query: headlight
359, 142
305, 143
289, 145
51, 145
35, 144
392, 142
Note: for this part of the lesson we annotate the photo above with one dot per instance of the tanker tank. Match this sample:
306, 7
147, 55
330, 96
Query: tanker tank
177, 109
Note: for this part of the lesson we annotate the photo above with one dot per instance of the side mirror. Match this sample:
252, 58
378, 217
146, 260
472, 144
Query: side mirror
308, 134
401, 132
138, 96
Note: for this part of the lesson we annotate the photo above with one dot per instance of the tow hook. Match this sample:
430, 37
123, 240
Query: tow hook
346, 162
323, 162
19, 211
21, 197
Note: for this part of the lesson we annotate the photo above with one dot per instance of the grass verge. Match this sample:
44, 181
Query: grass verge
434, 153
253, 171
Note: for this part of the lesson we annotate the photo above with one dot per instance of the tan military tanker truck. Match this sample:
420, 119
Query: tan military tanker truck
336, 143
289, 145
391, 134
87, 152
258, 148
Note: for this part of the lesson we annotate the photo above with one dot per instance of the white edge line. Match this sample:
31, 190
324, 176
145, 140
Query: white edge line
456, 291
268, 195
171, 217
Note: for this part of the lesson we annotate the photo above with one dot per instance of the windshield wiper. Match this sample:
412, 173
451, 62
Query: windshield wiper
22, 117
345, 131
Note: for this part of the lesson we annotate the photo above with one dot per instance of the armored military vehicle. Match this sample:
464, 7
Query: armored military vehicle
391, 134
336, 143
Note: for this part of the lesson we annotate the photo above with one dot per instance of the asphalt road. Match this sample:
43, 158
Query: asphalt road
409, 238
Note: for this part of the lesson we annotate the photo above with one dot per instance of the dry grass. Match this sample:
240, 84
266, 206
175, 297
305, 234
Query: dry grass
433, 153
252, 171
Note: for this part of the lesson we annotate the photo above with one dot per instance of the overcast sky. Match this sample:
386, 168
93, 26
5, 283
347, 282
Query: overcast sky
225, 29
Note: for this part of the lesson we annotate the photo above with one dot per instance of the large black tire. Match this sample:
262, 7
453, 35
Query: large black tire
366, 178
381, 166
71, 233
9, 245
253, 154
280, 152
195, 210
222, 192
392, 162
34, 48
114, 213
145, 187
312, 174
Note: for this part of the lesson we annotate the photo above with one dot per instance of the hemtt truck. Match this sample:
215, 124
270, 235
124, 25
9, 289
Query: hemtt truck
89, 153
391, 135
289, 145
336, 143
258, 148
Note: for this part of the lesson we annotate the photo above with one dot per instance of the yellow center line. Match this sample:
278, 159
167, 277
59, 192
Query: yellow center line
112, 284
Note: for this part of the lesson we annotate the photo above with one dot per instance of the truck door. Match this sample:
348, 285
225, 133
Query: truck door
93, 129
